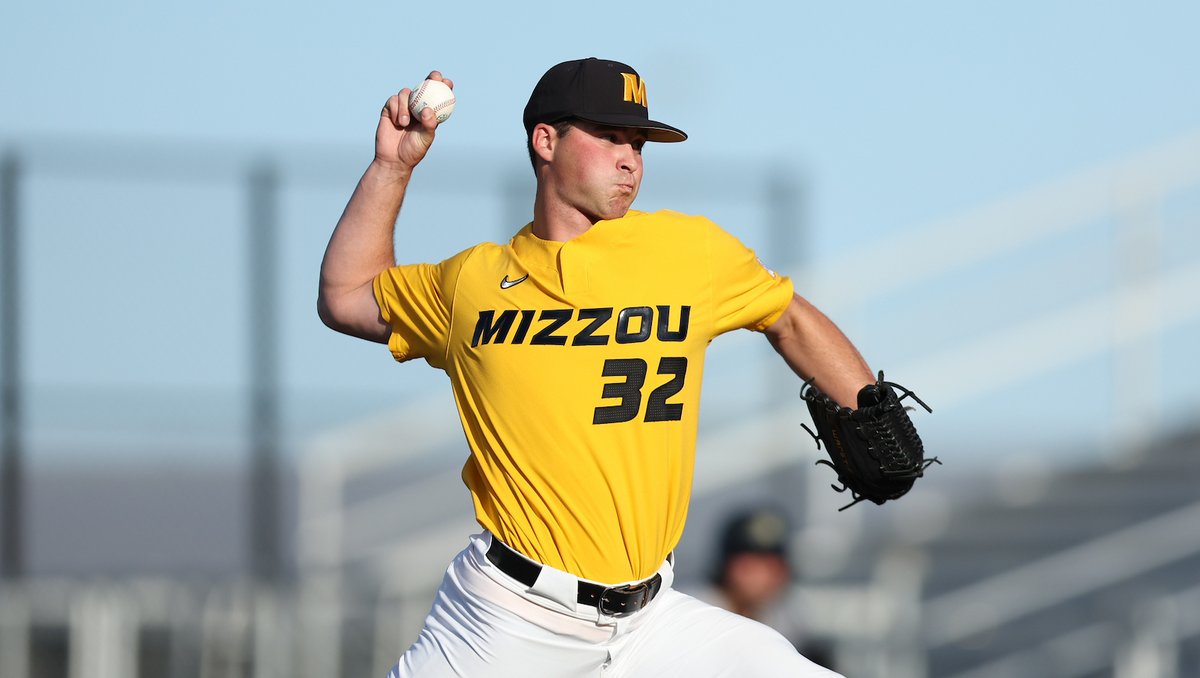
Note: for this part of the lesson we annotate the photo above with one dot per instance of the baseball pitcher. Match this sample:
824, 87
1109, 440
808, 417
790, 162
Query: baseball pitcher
575, 353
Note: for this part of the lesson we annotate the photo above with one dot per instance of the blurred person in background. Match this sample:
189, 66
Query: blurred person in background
753, 573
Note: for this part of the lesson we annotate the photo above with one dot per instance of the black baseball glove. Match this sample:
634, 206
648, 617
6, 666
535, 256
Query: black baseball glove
874, 449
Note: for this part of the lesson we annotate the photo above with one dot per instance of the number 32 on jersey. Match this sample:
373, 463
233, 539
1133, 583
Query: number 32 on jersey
629, 376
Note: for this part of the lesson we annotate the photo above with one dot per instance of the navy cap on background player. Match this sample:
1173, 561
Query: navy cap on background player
596, 90
760, 530
764, 530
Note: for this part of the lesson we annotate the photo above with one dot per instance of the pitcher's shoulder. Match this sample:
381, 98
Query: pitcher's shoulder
672, 218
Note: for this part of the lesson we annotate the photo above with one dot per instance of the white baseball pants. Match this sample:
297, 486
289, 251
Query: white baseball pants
484, 624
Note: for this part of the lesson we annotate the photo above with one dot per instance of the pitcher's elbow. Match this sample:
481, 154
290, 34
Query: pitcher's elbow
328, 315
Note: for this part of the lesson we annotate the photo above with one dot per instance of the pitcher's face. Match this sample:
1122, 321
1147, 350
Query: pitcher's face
598, 169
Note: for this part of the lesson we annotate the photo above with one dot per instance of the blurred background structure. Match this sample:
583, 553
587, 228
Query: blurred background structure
1000, 206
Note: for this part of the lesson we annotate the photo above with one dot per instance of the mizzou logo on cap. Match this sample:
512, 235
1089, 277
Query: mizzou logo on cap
635, 89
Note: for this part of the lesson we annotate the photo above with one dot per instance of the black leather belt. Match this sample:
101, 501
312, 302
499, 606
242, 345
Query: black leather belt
614, 601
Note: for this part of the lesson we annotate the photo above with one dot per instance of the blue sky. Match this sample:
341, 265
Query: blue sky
898, 114
901, 112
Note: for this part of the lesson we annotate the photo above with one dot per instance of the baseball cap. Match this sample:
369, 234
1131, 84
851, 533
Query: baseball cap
761, 530
596, 90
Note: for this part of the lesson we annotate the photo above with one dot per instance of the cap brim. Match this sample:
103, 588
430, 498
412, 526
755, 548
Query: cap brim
655, 130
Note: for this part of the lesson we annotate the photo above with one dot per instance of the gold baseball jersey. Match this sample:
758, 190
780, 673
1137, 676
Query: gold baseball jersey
576, 370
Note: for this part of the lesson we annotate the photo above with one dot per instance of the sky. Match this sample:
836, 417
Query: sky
897, 115
903, 111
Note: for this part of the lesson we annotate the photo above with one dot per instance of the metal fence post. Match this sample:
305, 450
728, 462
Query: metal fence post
265, 551
12, 519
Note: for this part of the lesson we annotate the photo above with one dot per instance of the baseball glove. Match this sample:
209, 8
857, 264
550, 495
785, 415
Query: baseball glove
875, 450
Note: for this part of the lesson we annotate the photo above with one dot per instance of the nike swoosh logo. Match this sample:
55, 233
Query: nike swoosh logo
506, 283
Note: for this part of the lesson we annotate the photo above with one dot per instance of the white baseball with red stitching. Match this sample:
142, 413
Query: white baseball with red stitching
433, 94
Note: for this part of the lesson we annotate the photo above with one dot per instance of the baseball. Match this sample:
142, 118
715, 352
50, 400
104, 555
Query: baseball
432, 94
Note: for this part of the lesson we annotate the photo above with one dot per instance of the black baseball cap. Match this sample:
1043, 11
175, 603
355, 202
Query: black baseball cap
596, 90
760, 530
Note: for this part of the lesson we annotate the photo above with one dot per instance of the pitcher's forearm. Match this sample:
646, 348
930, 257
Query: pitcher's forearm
813, 347
362, 246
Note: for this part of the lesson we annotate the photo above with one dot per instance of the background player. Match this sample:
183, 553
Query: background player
574, 353
753, 572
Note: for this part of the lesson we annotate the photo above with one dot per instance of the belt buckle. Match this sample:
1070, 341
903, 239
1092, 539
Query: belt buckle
628, 607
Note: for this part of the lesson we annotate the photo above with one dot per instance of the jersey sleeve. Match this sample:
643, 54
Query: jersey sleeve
747, 293
415, 300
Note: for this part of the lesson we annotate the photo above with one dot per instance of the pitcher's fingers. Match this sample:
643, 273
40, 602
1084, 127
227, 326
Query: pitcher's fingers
396, 109
437, 75
428, 118
389, 109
